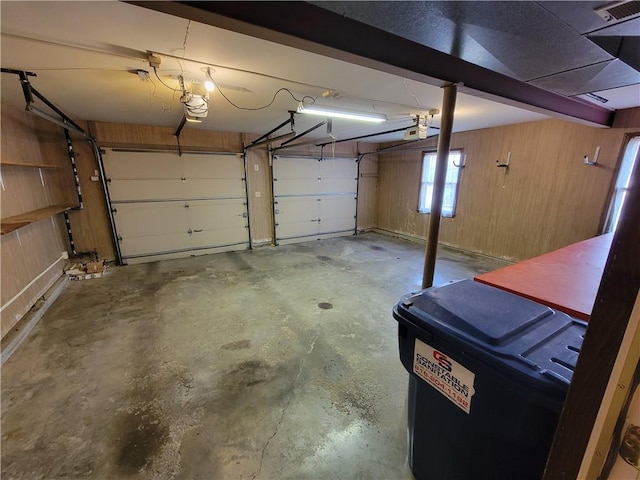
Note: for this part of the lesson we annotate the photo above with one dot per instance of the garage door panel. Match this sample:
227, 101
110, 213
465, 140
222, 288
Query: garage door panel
338, 207
296, 229
296, 186
313, 187
219, 237
339, 186
296, 168
336, 225
158, 218
171, 207
145, 244
308, 208
297, 216
209, 187
296, 209
140, 190
316, 236
143, 165
212, 166
334, 168
217, 214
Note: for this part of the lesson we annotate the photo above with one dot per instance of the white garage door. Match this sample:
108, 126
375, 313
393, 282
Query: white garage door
314, 199
170, 206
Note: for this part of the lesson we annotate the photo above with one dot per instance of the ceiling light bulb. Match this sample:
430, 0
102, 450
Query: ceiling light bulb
208, 84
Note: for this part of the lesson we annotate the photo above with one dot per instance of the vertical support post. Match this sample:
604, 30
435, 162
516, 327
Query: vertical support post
444, 144
357, 190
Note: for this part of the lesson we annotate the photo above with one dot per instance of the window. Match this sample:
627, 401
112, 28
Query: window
622, 184
450, 186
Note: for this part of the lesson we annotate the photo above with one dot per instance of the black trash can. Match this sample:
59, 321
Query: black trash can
489, 372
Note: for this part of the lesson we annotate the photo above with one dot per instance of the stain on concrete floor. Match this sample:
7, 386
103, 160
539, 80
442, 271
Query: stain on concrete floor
222, 366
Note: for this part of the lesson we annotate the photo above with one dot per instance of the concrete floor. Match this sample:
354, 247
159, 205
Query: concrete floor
223, 367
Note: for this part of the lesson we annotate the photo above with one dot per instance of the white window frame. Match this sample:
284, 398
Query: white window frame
621, 185
452, 182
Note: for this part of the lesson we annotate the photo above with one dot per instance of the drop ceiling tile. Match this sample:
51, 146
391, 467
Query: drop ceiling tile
630, 28
579, 15
519, 39
593, 78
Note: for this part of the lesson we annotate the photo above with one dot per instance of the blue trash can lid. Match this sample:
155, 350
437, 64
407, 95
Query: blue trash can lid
507, 327
488, 314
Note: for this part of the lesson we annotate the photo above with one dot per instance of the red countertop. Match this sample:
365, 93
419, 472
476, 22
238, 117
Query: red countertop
566, 279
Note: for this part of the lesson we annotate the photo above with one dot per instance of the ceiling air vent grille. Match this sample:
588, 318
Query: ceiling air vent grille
619, 11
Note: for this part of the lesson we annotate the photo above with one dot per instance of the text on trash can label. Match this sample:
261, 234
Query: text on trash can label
444, 374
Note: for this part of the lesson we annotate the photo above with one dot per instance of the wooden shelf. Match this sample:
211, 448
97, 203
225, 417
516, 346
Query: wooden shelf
22, 164
10, 224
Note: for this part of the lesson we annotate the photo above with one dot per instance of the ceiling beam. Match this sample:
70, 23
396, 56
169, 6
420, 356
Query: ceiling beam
314, 29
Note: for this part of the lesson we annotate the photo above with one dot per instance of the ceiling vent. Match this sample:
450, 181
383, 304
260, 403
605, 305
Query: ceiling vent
617, 12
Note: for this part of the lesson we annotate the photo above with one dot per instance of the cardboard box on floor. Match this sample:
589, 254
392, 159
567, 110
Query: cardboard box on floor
85, 271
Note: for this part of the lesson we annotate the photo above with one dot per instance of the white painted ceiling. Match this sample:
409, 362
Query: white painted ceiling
85, 55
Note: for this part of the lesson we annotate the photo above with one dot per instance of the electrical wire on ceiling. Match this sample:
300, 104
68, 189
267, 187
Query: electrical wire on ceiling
153, 94
155, 70
404, 80
184, 46
313, 100
142, 55
306, 98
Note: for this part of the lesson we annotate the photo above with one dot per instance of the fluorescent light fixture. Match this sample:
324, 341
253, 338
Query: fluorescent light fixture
341, 113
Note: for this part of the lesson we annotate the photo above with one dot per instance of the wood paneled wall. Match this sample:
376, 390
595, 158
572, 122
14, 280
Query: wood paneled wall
367, 189
546, 199
260, 188
32, 255
124, 135
90, 226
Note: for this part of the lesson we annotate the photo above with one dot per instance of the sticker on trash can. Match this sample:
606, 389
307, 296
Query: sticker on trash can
444, 374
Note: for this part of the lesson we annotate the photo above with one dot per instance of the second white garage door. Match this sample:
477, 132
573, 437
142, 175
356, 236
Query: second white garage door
314, 199
170, 206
